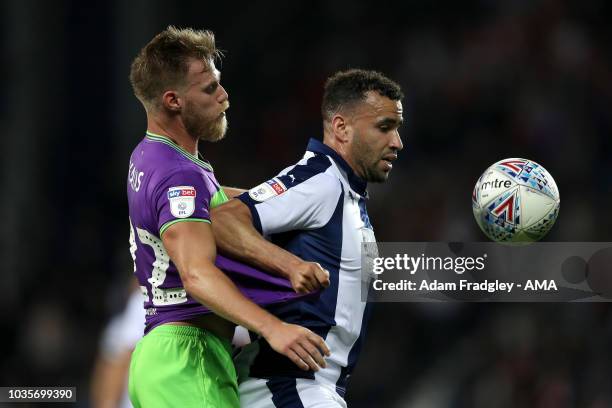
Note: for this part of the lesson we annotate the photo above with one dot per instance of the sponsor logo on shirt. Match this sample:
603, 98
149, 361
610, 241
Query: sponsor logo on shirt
277, 186
175, 192
267, 190
182, 201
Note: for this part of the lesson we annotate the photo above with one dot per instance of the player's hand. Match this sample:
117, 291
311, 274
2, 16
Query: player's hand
307, 277
299, 344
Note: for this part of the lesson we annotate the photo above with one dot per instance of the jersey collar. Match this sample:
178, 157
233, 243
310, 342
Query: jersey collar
356, 182
167, 141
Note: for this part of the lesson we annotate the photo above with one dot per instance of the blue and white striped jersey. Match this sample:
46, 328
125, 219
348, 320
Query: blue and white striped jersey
316, 209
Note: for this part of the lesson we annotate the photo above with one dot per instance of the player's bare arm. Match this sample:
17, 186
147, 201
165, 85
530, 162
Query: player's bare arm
210, 286
232, 192
237, 237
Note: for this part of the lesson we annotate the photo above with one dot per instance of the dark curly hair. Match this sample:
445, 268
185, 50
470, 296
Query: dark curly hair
345, 88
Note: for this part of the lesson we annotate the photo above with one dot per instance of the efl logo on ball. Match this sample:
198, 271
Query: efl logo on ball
515, 200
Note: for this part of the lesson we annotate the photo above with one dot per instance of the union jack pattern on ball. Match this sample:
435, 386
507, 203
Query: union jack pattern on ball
515, 200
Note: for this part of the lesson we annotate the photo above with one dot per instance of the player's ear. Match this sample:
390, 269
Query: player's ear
339, 127
172, 101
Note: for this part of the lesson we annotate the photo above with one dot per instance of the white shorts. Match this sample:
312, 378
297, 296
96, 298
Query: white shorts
288, 393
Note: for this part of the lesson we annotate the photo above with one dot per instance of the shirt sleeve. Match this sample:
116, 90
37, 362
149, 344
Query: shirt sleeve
287, 202
184, 195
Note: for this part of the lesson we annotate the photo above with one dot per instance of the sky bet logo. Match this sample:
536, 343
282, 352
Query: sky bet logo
278, 187
182, 201
177, 192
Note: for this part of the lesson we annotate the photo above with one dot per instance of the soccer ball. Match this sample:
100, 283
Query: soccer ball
515, 200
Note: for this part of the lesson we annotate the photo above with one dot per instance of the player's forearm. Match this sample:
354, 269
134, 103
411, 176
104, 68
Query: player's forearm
211, 287
232, 192
236, 237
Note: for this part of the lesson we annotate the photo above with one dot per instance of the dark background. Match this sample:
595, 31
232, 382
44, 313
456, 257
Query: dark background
484, 80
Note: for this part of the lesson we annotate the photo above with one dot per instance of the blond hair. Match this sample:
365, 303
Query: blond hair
163, 63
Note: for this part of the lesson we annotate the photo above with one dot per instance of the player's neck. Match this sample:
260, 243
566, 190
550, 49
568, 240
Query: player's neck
342, 151
175, 131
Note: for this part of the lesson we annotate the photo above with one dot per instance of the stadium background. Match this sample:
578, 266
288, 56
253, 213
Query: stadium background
484, 80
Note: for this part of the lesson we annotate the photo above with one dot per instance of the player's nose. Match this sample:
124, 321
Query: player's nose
396, 142
222, 96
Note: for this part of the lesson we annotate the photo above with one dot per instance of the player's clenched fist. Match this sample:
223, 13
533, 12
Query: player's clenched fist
308, 276
299, 344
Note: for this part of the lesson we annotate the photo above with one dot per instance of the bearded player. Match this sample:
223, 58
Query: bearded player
316, 210
184, 358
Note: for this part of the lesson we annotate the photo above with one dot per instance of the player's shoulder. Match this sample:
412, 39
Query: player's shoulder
308, 180
311, 166
314, 172
166, 162
167, 168
168, 156
312, 179
160, 154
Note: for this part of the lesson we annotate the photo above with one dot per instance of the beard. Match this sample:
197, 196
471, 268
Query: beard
373, 174
368, 161
203, 128
216, 130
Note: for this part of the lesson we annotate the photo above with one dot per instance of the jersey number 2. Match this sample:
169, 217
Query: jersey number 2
161, 297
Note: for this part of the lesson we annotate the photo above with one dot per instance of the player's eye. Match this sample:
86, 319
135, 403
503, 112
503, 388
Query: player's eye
210, 89
384, 128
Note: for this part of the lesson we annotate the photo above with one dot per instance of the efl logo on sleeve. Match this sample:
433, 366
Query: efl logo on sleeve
267, 190
182, 201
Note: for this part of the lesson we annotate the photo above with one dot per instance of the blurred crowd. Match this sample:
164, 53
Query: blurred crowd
484, 80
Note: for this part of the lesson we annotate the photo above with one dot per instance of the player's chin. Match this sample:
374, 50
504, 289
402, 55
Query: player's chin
385, 167
222, 127
379, 174
217, 131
